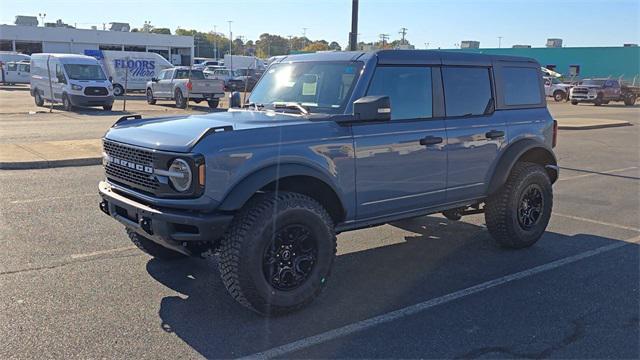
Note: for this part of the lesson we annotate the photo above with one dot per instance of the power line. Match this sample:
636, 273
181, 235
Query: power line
403, 32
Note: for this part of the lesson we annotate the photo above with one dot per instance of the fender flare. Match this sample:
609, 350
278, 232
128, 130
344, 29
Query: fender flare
513, 154
243, 190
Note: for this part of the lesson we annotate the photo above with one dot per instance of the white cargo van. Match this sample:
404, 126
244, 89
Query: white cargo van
7, 56
141, 66
16, 72
73, 80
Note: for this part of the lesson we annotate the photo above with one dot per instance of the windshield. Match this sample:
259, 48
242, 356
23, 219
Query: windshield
184, 74
84, 72
318, 86
593, 82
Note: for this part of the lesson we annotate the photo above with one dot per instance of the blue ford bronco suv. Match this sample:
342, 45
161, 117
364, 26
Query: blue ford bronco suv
332, 142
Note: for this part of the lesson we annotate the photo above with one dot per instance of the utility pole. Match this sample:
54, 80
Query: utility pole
230, 46
290, 47
499, 42
215, 43
403, 32
383, 38
426, 45
304, 37
353, 35
42, 16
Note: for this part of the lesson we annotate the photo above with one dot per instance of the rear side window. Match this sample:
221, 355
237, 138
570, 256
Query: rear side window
467, 90
521, 86
408, 88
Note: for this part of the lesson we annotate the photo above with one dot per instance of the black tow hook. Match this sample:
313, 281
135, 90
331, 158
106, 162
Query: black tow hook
104, 207
145, 223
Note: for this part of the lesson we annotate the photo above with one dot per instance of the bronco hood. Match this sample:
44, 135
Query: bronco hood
180, 133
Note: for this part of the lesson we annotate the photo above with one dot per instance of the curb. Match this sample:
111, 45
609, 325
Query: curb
594, 126
48, 164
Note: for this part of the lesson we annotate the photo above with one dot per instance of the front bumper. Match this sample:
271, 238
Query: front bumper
583, 97
167, 227
83, 100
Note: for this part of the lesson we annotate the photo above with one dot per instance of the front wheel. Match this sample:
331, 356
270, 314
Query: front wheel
37, 97
574, 102
107, 107
277, 254
66, 103
518, 214
150, 99
118, 90
558, 95
213, 103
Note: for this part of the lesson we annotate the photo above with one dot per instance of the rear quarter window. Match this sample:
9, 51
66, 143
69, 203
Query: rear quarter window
521, 86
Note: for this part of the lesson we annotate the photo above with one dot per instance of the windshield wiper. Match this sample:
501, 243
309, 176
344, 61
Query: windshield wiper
291, 105
254, 105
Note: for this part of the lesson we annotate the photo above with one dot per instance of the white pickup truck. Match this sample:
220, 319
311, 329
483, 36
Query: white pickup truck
181, 85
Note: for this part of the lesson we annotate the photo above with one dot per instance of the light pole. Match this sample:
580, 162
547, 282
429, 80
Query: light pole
230, 46
215, 43
426, 45
499, 42
42, 16
353, 35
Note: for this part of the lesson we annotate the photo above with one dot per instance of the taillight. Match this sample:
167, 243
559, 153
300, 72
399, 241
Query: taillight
189, 85
555, 133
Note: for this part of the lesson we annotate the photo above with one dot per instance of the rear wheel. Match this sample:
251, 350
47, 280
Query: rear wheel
181, 102
156, 250
518, 214
213, 103
558, 95
107, 107
37, 97
277, 254
66, 103
630, 100
118, 90
150, 99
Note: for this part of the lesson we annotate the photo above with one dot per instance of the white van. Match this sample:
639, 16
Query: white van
142, 67
16, 72
73, 80
7, 56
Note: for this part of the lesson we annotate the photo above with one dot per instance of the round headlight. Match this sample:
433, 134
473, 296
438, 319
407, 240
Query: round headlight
181, 175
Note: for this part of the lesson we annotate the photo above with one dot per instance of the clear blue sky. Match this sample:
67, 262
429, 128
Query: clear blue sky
441, 23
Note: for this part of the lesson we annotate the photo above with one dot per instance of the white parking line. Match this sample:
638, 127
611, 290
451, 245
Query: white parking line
414, 309
596, 222
27, 201
102, 252
596, 174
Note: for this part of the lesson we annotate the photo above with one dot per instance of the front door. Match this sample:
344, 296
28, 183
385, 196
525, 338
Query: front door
58, 81
475, 131
401, 164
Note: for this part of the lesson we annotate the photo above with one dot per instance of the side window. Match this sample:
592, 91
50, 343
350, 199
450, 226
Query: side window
23, 67
408, 88
12, 66
167, 75
60, 74
467, 90
520, 86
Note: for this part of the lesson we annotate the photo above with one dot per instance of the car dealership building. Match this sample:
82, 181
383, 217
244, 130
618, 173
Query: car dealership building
32, 39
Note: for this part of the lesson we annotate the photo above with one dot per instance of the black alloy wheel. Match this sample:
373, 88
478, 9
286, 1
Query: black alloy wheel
290, 258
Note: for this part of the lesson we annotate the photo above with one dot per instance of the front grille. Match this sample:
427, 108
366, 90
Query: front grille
580, 91
136, 178
96, 91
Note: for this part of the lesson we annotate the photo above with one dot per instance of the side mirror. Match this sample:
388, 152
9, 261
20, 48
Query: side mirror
372, 108
234, 100
111, 79
154, 79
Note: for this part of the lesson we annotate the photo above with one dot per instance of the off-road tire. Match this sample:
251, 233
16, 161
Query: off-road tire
558, 95
242, 251
66, 103
630, 100
118, 90
107, 107
574, 102
150, 99
153, 249
181, 102
37, 97
213, 103
501, 209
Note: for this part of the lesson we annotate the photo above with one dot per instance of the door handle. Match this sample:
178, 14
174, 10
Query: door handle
430, 140
494, 134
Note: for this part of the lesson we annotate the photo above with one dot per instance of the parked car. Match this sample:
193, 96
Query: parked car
333, 142
244, 79
73, 80
602, 91
182, 84
17, 72
556, 89
132, 69
8, 56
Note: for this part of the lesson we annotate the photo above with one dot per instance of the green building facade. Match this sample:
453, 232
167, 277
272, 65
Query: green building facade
593, 61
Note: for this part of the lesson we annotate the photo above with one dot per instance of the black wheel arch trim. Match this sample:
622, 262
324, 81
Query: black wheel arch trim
513, 154
243, 190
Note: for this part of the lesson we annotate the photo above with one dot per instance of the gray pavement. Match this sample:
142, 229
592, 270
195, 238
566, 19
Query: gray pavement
73, 286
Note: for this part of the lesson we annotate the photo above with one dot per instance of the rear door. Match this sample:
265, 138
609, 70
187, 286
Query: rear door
401, 164
475, 132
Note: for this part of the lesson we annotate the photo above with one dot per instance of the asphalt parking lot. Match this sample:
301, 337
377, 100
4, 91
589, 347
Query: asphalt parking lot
73, 286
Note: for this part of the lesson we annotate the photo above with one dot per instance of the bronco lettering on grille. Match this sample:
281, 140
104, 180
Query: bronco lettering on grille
129, 164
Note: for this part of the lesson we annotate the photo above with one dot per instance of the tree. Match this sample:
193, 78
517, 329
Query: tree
165, 31
335, 46
320, 45
271, 45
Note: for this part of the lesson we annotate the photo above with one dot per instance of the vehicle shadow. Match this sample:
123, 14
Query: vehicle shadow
14, 88
437, 257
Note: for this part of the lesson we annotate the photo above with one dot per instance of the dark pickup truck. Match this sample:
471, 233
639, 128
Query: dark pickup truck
333, 142
602, 91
